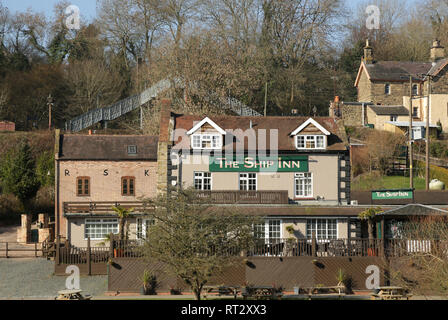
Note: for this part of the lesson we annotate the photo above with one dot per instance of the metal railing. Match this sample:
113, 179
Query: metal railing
124, 106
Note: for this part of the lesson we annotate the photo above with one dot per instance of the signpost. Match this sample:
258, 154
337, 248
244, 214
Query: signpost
259, 164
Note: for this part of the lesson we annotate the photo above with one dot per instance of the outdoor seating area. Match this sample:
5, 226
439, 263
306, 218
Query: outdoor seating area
391, 293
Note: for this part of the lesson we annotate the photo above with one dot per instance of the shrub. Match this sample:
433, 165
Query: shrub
45, 169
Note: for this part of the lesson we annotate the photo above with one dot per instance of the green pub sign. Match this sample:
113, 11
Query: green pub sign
392, 194
259, 164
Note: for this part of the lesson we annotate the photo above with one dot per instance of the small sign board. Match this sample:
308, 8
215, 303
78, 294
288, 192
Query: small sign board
393, 194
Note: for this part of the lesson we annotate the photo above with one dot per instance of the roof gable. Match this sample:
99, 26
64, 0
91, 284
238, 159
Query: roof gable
204, 121
307, 123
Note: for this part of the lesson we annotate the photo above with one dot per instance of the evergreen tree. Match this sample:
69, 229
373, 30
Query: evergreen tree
17, 174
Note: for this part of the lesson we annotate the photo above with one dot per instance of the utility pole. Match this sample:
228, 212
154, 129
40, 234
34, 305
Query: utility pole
427, 134
50, 105
411, 157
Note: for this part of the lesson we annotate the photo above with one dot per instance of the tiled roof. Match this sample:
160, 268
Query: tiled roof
398, 70
415, 210
390, 110
337, 141
108, 147
438, 66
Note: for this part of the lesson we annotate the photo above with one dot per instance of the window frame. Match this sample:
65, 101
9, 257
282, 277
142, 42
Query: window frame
128, 179
298, 176
247, 179
202, 136
83, 186
309, 231
307, 137
393, 118
387, 89
416, 91
202, 178
267, 231
140, 231
91, 221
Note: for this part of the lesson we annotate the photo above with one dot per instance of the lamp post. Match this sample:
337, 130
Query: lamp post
50, 103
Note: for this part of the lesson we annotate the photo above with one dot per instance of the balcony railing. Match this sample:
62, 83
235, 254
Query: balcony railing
104, 207
291, 247
245, 197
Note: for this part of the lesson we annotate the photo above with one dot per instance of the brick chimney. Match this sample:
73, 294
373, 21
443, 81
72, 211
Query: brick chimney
437, 51
368, 53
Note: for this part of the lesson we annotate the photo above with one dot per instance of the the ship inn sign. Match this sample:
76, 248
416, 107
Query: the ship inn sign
392, 194
259, 164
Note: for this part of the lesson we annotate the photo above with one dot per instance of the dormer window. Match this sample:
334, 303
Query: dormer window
203, 139
206, 141
310, 135
307, 142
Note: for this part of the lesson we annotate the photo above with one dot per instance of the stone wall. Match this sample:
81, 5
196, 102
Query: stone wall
24, 231
364, 88
352, 115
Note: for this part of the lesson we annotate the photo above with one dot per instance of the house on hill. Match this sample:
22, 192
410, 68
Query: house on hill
387, 84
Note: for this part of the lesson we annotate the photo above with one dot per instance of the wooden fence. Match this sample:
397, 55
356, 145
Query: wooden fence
20, 250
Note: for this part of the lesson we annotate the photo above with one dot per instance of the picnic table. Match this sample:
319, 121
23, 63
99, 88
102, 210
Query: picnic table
72, 295
222, 290
391, 293
325, 291
261, 292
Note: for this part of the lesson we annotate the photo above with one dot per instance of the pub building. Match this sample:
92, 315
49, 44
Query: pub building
294, 172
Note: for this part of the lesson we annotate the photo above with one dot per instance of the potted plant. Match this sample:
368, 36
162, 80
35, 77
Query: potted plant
122, 214
369, 216
149, 283
340, 277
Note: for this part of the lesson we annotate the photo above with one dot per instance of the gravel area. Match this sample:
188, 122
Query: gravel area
33, 278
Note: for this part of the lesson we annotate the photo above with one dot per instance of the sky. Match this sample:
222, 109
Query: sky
87, 7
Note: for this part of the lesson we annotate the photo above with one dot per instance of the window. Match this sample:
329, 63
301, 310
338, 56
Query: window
270, 231
83, 186
324, 228
128, 186
415, 90
248, 181
393, 118
387, 88
311, 142
142, 227
203, 181
303, 185
97, 229
415, 112
132, 150
206, 141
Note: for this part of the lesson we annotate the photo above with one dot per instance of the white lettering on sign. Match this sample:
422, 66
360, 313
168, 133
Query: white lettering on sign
72, 281
373, 280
